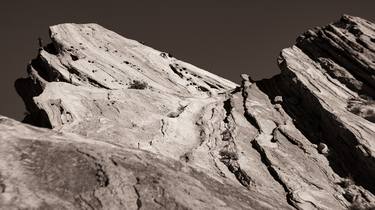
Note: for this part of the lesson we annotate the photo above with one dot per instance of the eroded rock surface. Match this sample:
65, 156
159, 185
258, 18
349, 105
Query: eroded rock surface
132, 127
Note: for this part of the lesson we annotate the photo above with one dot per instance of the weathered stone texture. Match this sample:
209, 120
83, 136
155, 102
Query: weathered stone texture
132, 127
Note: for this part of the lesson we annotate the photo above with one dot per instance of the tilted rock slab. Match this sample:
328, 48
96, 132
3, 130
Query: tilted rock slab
132, 127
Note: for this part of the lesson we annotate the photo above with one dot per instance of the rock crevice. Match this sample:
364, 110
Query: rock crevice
132, 127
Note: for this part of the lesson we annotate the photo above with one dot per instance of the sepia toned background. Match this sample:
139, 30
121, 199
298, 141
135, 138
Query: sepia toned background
224, 37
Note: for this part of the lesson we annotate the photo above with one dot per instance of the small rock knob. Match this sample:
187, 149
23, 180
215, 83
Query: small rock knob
323, 148
278, 99
245, 77
278, 106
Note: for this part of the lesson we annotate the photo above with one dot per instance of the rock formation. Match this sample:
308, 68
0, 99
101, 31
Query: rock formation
118, 125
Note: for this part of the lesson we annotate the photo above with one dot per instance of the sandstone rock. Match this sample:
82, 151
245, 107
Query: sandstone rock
278, 99
45, 169
323, 148
132, 127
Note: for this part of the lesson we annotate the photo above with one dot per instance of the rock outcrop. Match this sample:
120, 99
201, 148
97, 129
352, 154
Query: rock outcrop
127, 126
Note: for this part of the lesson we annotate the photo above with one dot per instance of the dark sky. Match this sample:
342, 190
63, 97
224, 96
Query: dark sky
224, 37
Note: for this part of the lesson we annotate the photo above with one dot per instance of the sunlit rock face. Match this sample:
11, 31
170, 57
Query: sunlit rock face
130, 127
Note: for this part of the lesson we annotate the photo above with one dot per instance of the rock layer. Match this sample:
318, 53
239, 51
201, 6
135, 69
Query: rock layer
133, 127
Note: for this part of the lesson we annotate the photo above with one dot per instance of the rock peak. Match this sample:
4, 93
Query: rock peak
132, 127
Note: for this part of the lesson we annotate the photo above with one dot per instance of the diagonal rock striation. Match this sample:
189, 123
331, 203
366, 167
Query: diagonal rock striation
128, 126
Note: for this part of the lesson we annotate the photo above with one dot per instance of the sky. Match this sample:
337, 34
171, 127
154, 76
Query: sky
224, 37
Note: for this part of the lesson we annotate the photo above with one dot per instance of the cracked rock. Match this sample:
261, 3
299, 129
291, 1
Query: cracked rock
115, 124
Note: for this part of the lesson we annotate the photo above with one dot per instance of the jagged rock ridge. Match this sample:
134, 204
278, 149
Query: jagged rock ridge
133, 127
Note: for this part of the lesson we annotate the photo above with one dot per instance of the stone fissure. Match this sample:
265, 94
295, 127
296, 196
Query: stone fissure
228, 153
101, 176
139, 201
311, 127
273, 172
251, 119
